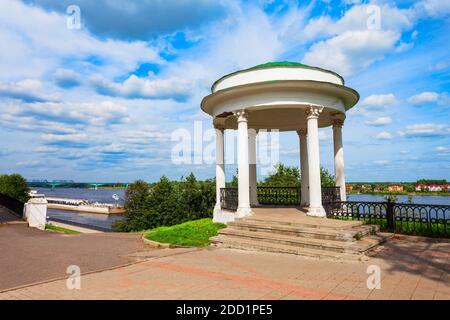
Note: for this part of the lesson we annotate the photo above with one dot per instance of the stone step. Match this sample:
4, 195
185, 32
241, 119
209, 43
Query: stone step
317, 223
349, 234
311, 243
258, 245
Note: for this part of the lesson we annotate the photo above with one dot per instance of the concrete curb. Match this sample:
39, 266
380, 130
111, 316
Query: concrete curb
161, 245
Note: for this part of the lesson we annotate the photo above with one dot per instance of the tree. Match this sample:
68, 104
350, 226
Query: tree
14, 186
136, 194
166, 203
284, 176
326, 178
290, 177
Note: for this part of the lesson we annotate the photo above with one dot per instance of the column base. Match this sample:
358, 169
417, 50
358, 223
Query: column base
222, 216
316, 212
243, 212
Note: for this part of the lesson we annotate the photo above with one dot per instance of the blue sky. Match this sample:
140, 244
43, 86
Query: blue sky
100, 103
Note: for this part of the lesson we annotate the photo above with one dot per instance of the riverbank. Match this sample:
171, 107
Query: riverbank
88, 208
417, 194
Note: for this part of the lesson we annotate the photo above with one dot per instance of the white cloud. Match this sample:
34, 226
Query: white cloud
351, 51
323, 135
426, 130
424, 98
441, 148
384, 135
66, 78
48, 42
381, 162
381, 121
439, 66
353, 46
432, 8
379, 100
146, 88
28, 90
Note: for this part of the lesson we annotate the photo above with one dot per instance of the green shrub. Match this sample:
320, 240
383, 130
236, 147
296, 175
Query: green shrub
167, 203
15, 186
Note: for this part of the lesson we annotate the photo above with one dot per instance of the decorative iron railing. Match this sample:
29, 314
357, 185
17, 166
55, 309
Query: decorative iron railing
331, 194
229, 198
275, 196
417, 219
280, 196
12, 204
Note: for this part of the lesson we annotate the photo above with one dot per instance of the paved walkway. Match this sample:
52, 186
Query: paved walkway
409, 270
29, 255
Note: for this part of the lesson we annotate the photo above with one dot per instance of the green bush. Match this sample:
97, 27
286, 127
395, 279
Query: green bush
167, 203
15, 186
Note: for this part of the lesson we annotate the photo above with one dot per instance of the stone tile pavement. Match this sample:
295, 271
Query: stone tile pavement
411, 268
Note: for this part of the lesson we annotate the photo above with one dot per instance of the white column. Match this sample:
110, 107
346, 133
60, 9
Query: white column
304, 176
315, 189
243, 166
252, 166
220, 171
339, 156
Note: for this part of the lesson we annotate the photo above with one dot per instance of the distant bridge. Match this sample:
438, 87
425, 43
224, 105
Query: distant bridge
72, 184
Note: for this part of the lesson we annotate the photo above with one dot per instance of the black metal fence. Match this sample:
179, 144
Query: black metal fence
275, 196
331, 194
416, 219
282, 196
12, 204
229, 198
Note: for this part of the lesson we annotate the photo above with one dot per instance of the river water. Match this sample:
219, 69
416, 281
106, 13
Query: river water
91, 219
105, 196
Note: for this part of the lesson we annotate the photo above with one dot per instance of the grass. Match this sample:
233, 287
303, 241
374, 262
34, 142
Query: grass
60, 229
192, 233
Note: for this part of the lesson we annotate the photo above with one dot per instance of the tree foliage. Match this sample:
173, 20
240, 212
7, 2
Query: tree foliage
431, 181
167, 203
287, 176
15, 186
284, 176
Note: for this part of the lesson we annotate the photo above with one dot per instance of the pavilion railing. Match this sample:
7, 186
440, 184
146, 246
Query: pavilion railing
275, 196
12, 204
282, 196
229, 198
331, 194
416, 219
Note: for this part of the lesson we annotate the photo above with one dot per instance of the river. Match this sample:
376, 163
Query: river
401, 199
91, 219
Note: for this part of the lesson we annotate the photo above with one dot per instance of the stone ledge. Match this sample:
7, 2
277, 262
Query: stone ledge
161, 245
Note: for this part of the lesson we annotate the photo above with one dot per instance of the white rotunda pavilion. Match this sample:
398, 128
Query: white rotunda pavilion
286, 96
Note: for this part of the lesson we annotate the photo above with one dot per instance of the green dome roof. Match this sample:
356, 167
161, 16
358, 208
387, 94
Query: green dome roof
281, 64
277, 64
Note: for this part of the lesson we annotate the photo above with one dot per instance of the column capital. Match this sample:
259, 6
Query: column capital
241, 115
302, 132
313, 112
338, 120
218, 127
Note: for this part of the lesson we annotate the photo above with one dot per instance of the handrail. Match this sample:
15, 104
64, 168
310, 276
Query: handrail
12, 204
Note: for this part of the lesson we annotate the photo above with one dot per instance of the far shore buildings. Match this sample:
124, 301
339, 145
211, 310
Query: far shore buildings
433, 187
396, 188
